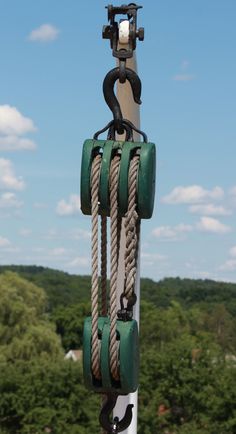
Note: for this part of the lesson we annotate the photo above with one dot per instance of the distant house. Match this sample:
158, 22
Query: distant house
230, 358
75, 355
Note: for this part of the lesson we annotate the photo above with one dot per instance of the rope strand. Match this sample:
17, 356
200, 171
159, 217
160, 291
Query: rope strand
132, 230
104, 265
114, 177
95, 279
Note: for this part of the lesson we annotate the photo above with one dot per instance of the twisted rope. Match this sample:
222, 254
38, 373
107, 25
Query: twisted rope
95, 175
104, 265
103, 284
132, 225
114, 176
132, 230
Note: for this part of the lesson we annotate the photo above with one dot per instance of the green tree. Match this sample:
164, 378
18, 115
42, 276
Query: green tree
48, 395
69, 324
25, 331
220, 322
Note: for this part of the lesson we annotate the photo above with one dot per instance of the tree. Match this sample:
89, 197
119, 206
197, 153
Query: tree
49, 395
220, 322
25, 331
69, 324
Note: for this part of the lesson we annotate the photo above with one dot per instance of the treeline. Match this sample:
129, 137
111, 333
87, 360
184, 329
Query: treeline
188, 355
66, 289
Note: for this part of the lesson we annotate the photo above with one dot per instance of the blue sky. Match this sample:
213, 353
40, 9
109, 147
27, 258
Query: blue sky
53, 61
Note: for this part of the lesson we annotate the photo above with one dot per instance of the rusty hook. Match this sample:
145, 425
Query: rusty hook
116, 426
111, 99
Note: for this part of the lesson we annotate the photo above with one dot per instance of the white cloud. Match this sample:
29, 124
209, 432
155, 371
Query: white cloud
232, 251
8, 179
182, 227
229, 265
75, 234
9, 200
153, 256
192, 194
209, 224
174, 233
70, 207
171, 232
14, 143
209, 209
80, 261
164, 232
232, 191
184, 77
58, 251
13, 123
150, 259
12, 126
4, 242
44, 33
80, 234
25, 232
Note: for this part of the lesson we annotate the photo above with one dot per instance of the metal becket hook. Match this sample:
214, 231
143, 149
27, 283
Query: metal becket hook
111, 99
116, 425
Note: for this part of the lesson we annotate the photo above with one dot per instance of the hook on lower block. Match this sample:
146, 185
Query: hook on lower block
115, 426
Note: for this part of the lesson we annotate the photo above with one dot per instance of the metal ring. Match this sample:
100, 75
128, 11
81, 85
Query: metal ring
128, 127
95, 136
134, 128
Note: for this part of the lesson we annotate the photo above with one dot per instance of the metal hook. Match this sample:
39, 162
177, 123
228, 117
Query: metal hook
116, 425
111, 99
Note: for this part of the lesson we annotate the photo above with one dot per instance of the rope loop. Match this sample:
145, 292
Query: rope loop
132, 234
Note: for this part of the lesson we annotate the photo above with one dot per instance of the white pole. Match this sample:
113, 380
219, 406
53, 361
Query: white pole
130, 110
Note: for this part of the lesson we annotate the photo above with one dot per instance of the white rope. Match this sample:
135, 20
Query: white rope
95, 176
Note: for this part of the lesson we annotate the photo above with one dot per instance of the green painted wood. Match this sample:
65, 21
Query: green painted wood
129, 355
109, 148
146, 175
127, 337
128, 150
90, 149
146, 180
90, 381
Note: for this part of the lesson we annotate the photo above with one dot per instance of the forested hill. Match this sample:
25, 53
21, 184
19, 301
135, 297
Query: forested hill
65, 289
187, 381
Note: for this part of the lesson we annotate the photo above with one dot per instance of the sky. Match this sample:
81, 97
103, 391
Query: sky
53, 61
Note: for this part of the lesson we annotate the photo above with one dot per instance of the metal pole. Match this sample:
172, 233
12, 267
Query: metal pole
130, 110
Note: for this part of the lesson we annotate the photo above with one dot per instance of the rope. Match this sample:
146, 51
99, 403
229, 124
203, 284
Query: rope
104, 265
114, 177
103, 284
95, 175
132, 230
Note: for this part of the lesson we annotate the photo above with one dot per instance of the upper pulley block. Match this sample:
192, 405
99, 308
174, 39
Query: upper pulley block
112, 31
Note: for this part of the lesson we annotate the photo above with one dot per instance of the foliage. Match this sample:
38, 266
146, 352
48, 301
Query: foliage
49, 395
63, 289
69, 324
25, 331
188, 363
185, 372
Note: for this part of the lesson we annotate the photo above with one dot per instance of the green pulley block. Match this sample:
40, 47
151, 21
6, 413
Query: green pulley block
127, 335
90, 149
146, 175
146, 178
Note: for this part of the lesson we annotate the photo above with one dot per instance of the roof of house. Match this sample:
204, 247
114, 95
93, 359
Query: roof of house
74, 355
